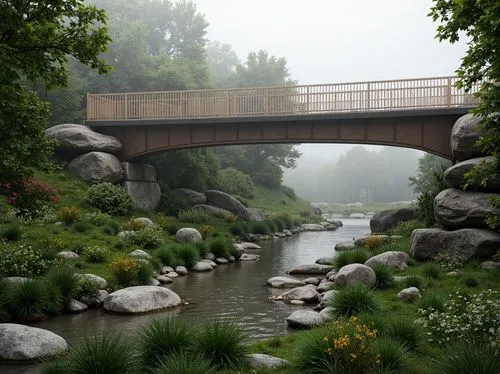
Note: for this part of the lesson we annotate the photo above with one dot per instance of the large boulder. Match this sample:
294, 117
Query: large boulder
97, 167
327, 298
141, 299
458, 209
464, 136
255, 214
225, 201
307, 294
312, 227
190, 196
146, 195
284, 282
202, 266
304, 319
213, 210
260, 360
353, 274
74, 140
465, 243
455, 175
25, 343
313, 269
138, 172
188, 235
393, 259
386, 219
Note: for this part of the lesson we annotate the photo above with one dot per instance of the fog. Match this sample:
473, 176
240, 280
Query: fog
327, 41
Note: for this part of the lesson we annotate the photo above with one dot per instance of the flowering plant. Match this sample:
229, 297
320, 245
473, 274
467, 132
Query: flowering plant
29, 196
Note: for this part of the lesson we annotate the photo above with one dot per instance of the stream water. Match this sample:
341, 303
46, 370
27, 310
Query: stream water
235, 291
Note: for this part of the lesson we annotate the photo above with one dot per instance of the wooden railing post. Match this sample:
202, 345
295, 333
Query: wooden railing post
307, 100
368, 97
125, 100
448, 91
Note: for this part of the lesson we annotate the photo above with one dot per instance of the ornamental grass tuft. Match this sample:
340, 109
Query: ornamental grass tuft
384, 278
27, 299
393, 356
184, 363
467, 358
64, 279
405, 330
353, 300
357, 256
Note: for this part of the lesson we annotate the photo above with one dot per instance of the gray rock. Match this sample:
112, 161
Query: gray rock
76, 139
101, 282
327, 313
188, 235
24, 343
259, 360
231, 259
141, 299
387, 219
304, 319
137, 172
208, 261
393, 259
464, 136
248, 257
284, 282
313, 269
146, 195
225, 201
97, 167
345, 246
489, 265
327, 298
202, 267
250, 245
325, 260
353, 274
68, 255
255, 214
457, 209
191, 197
154, 282
166, 269
210, 256
307, 294
181, 270
314, 281
140, 254
144, 221
455, 175
94, 301
76, 306
465, 243
312, 227
221, 261
164, 279
357, 215
325, 286
331, 273
172, 275
409, 294
213, 210
125, 234
296, 302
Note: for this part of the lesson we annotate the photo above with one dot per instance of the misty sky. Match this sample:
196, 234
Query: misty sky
329, 41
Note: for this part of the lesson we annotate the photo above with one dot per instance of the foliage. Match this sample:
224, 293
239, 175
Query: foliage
163, 338
384, 278
289, 192
450, 262
29, 196
135, 224
110, 354
220, 247
65, 280
181, 363
145, 273
223, 343
12, 232
194, 216
235, 182
432, 270
405, 228
429, 166
109, 198
69, 214
87, 287
83, 226
465, 318
413, 281
187, 254
392, 353
124, 269
27, 299
352, 300
467, 357
171, 203
95, 254
356, 256
97, 218
406, 331
165, 255
480, 65
258, 227
148, 238
425, 200
22, 260
236, 229
431, 300
205, 231
374, 241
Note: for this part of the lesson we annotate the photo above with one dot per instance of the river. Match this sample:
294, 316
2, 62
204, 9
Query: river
235, 291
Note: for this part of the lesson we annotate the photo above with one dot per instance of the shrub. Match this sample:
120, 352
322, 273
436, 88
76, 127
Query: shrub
405, 228
413, 281
220, 247
110, 199
64, 279
87, 287
172, 228
12, 232
205, 231
124, 270
69, 214
56, 244
27, 299
186, 254
182, 363
466, 358
145, 272
242, 200
357, 256
230, 217
194, 216
393, 355
163, 338
431, 301
235, 182
260, 228
111, 227
95, 254
280, 225
96, 218
236, 229
171, 203
464, 318
384, 278
135, 224
22, 260
405, 330
305, 213
285, 218
471, 282
449, 262
82, 226
102, 354
289, 192
165, 255
224, 344
149, 238
202, 247
374, 241
432, 270
346, 346
353, 300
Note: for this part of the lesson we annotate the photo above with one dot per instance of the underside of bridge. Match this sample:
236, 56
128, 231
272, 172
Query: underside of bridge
427, 130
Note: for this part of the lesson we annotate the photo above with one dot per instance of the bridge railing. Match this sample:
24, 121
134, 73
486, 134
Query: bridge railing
388, 95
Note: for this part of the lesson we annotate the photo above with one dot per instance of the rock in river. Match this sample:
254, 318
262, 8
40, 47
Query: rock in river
307, 294
311, 269
304, 319
141, 299
284, 282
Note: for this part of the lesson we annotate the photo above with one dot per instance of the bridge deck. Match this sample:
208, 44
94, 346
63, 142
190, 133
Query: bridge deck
304, 100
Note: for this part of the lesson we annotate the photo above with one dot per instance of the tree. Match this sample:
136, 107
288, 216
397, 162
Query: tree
480, 22
429, 166
36, 38
222, 62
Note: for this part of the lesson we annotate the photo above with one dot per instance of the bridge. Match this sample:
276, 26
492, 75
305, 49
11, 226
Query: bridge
412, 113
